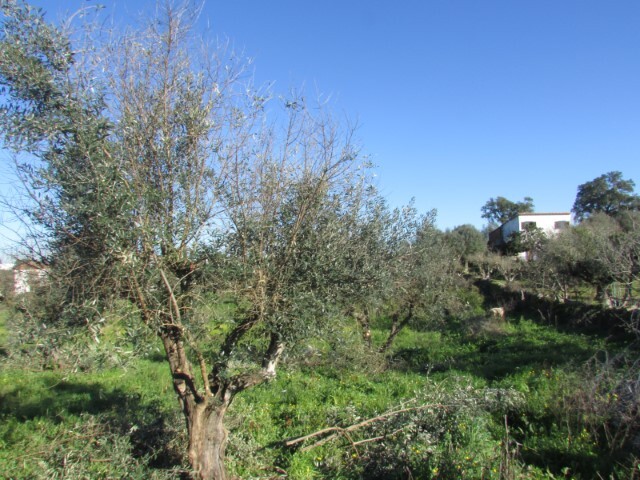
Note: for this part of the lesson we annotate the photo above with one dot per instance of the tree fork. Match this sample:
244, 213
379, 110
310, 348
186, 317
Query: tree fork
396, 326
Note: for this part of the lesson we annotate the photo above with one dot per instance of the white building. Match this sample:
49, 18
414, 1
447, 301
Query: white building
21, 277
549, 223
27, 275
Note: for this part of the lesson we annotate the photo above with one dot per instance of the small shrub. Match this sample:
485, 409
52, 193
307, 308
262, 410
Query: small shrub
607, 403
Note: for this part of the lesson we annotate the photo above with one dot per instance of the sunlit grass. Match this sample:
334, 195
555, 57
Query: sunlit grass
132, 414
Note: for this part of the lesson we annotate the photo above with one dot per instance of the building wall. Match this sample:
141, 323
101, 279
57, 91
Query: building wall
548, 222
510, 227
25, 279
545, 221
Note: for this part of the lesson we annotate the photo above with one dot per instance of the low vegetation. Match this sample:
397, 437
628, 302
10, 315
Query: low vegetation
478, 398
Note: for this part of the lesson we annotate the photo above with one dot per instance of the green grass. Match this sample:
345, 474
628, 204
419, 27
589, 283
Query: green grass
125, 423
540, 362
499, 351
48, 419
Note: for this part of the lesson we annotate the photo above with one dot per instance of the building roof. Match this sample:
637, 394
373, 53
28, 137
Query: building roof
29, 265
541, 214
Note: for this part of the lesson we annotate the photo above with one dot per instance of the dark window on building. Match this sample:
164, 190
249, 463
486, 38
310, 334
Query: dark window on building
561, 225
526, 226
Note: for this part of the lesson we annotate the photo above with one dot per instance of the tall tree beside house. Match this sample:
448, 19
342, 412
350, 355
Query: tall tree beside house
499, 210
609, 193
155, 177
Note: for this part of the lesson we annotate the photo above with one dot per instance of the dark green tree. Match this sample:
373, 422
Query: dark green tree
499, 210
609, 193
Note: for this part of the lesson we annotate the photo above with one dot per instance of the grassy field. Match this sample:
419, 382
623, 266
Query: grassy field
492, 400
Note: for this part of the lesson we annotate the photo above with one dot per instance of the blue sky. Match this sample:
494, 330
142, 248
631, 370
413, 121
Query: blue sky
457, 100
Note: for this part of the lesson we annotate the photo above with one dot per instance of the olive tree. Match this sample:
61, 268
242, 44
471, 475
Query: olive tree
466, 241
629, 222
485, 264
157, 176
424, 279
554, 269
609, 254
376, 256
601, 252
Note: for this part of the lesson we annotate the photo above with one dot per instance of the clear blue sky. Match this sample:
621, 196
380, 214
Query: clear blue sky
458, 100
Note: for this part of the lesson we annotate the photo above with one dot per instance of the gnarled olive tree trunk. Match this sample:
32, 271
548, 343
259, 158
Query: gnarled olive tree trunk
204, 408
207, 440
203, 411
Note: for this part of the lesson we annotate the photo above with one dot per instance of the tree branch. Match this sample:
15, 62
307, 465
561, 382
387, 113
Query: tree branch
341, 431
172, 298
237, 333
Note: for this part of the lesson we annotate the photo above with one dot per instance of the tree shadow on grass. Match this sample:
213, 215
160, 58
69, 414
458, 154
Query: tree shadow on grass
494, 360
496, 357
148, 428
573, 464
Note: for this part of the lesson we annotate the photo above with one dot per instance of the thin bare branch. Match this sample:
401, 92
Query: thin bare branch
339, 431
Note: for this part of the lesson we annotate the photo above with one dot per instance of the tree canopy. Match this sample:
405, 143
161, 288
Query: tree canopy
609, 193
465, 241
499, 210
601, 251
